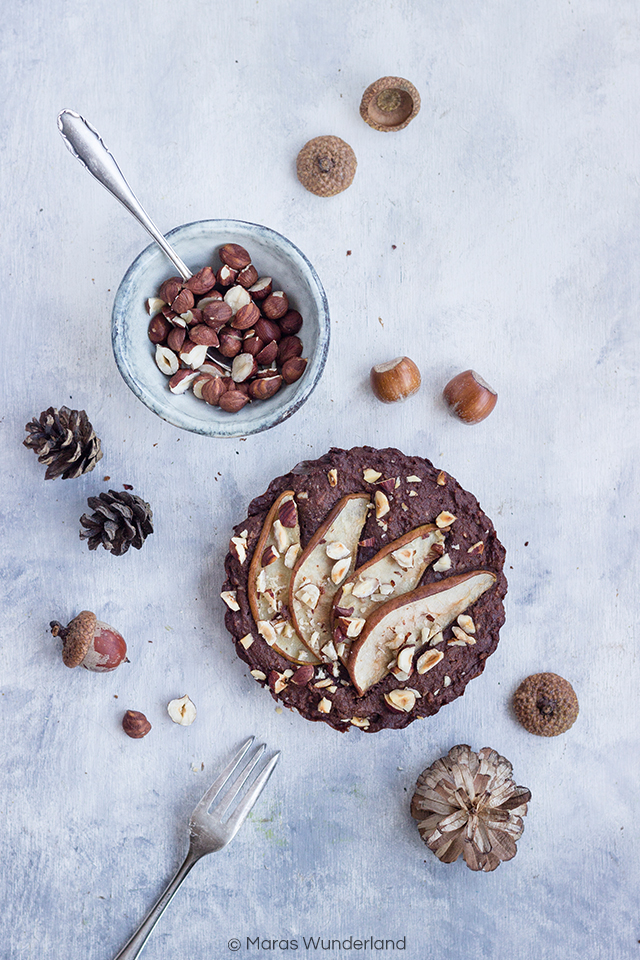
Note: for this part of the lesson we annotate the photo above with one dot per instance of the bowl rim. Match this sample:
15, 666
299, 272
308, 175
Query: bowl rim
176, 417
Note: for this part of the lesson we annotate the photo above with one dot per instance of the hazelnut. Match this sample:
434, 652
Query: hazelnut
184, 301
252, 344
193, 354
292, 369
230, 342
202, 282
237, 297
265, 387
276, 305
159, 328
267, 330
170, 289
290, 323
226, 276
261, 289
246, 317
176, 338
88, 642
212, 391
204, 335
135, 724
395, 380
268, 353
248, 276
182, 380
244, 366
289, 347
234, 256
166, 360
182, 711
233, 400
216, 313
470, 397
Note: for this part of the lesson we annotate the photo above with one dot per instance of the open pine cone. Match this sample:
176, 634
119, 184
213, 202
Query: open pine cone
468, 803
65, 440
120, 520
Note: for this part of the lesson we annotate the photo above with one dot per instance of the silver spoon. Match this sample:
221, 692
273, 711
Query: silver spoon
85, 143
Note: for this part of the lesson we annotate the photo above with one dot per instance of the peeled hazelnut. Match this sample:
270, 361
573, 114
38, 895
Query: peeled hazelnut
90, 643
395, 380
234, 256
135, 724
182, 711
470, 397
244, 366
193, 354
237, 297
276, 305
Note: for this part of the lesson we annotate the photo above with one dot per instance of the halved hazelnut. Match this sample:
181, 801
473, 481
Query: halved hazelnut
166, 360
395, 380
470, 397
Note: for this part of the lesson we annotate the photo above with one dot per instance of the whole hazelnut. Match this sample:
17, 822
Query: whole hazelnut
234, 256
232, 401
159, 328
289, 347
395, 380
135, 724
170, 289
290, 323
293, 368
90, 643
470, 397
276, 305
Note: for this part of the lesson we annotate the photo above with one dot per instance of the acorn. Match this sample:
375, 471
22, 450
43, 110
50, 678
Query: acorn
90, 643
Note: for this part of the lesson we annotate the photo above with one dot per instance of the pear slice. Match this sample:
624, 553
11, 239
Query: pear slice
393, 571
327, 560
433, 606
270, 572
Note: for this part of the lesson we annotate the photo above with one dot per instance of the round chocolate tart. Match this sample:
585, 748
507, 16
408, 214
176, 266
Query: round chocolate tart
365, 589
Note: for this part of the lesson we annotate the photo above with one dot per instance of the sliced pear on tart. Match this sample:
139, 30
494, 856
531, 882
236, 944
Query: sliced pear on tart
328, 559
393, 571
411, 619
274, 558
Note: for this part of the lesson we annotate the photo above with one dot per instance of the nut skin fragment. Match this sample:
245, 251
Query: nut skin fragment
326, 166
390, 104
546, 704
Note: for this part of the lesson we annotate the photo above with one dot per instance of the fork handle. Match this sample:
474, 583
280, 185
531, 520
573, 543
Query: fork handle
134, 945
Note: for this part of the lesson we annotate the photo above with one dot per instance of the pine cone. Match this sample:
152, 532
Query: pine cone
65, 440
120, 520
468, 803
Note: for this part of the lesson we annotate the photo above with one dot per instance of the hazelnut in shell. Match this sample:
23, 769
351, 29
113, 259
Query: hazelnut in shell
395, 380
470, 397
90, 643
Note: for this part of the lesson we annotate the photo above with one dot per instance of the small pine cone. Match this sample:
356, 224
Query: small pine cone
120, 520
65, 440
468, 803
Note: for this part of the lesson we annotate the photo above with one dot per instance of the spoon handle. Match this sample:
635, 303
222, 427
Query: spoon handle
86, 145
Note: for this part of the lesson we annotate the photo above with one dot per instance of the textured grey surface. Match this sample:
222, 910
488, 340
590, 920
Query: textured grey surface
512, 202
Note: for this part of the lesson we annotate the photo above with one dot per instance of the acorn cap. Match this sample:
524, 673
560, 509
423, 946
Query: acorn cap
76, 637
326, 166
546, 704
389, 104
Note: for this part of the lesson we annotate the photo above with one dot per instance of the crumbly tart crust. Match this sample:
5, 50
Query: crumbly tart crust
417, 494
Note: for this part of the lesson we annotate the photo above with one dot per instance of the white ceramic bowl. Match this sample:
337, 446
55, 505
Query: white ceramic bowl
197, 243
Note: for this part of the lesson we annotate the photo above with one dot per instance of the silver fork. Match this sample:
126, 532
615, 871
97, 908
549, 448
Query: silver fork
208, 832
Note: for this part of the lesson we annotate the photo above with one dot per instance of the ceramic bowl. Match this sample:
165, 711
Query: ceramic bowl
197, 243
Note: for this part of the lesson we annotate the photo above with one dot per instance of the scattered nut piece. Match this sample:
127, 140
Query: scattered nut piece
325, 705
445, 519
428, 660
466, 622
402, 701
370, 475
246, 641
340, 569
332, 477
229, 597
414, 479
258, 674
363, 722
443, 564
382, 504
182, 711
441, 479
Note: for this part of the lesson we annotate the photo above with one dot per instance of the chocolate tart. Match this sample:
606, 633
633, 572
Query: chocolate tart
429, 665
